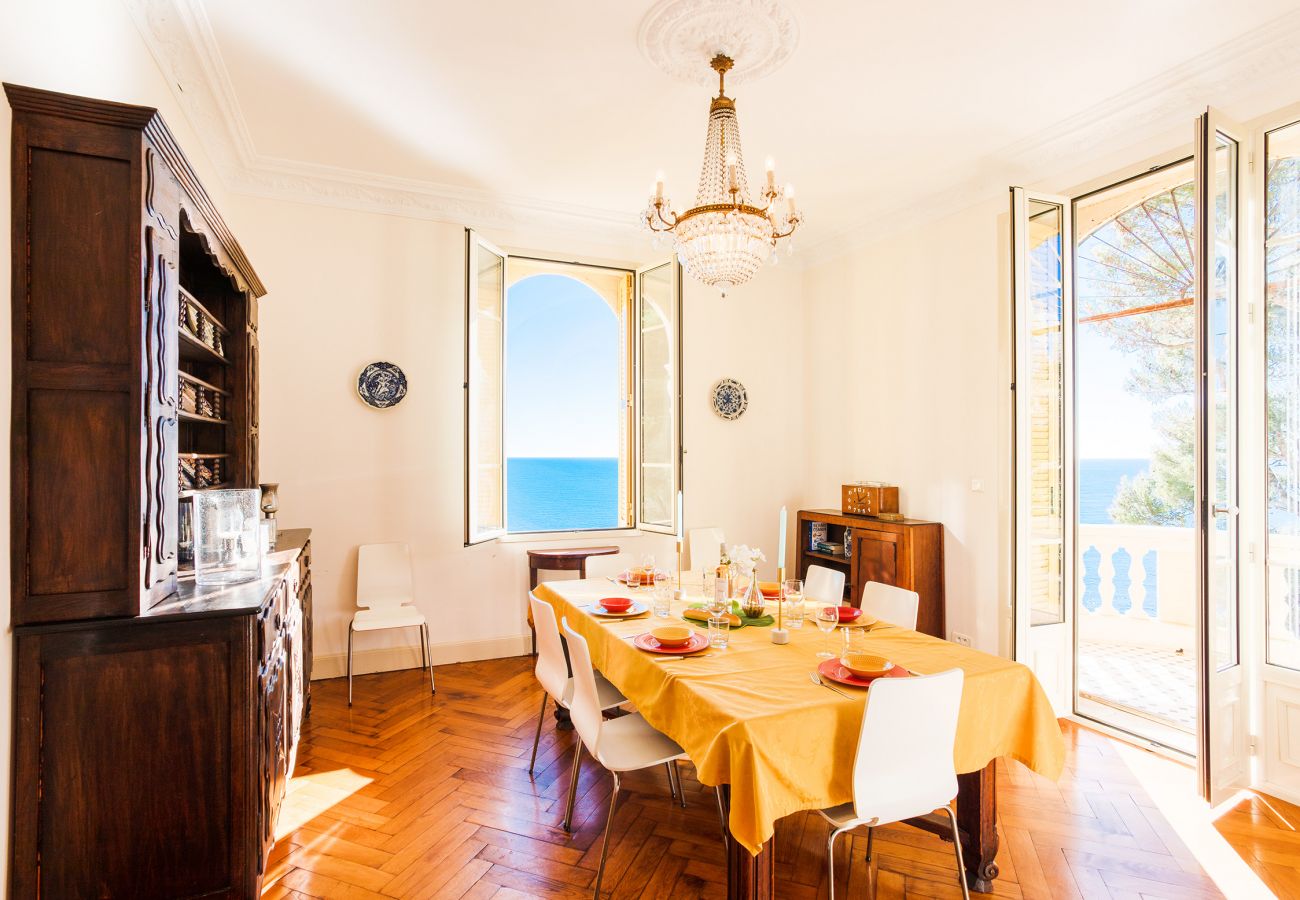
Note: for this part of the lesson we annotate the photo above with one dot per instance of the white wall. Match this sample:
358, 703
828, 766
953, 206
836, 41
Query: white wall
906, 345
347, 288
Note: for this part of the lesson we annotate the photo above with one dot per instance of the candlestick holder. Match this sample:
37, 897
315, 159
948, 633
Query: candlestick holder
680, 593
779, 633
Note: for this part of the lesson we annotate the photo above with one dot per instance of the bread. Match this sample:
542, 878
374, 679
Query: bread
702, 615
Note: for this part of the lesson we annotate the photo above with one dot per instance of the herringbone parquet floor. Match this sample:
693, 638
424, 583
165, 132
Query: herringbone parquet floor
411, 796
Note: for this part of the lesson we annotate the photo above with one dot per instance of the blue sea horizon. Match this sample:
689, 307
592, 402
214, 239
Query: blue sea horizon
561, 493
1099, 481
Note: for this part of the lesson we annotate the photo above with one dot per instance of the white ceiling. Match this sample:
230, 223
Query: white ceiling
879, 106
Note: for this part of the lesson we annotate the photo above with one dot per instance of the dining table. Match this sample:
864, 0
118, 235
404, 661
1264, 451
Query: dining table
756, 725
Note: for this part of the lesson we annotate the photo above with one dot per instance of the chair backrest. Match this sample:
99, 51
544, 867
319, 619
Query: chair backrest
895, 605
551, 670
584, 709
823, 585
904, 765
704, 544
384, 576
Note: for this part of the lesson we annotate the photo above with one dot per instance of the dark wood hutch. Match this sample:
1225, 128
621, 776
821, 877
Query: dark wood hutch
906, 554
155, 721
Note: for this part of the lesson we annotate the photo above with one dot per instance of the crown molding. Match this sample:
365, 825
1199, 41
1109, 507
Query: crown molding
1244, 75
1249, 75
180, 37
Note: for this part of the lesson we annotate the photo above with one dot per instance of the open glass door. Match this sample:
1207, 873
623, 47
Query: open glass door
1044, 481
1224, 710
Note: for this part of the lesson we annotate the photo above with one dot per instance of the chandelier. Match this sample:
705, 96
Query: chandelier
724, 238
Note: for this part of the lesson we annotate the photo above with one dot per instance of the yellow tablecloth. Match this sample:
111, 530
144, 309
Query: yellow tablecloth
750, 717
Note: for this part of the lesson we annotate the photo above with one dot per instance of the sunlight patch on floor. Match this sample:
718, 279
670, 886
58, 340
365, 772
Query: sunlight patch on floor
1173, 789
311, 794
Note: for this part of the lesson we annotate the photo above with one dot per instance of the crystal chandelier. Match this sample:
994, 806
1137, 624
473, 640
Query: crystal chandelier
724, 239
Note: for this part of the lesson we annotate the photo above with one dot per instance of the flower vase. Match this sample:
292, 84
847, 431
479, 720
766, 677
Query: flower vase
752, 602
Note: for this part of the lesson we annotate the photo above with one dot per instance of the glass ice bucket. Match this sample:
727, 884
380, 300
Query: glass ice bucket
227, 537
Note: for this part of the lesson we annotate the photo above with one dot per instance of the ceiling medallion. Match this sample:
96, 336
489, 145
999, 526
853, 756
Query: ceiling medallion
725, 237
676, 34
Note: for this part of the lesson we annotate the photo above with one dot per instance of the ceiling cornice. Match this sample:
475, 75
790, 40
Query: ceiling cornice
1248, 76
182, 42
1244, 75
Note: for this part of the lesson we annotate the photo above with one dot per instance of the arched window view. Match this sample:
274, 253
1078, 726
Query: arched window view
1134, 344
564, 428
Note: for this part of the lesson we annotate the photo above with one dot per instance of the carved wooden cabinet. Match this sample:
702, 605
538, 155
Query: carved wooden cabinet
907, 554
155, 723
152, 753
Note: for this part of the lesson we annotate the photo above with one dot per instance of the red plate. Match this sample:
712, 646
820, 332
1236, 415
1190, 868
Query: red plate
835, 671
642, 582
647, 642
635, 609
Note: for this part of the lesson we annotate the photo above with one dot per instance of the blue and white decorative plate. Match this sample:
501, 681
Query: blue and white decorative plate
381, 385
729, 399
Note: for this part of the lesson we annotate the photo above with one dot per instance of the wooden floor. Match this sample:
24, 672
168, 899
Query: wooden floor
407, 795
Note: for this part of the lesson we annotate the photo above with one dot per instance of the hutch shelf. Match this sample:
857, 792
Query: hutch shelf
156, 720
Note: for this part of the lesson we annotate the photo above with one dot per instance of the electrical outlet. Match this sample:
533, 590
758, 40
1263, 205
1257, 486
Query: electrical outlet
959, 638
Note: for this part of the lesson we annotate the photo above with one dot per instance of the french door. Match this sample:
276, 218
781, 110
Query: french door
1224, 711
1055, 582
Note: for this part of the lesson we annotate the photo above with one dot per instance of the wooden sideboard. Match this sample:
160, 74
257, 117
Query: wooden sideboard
156, 722
152, 752
907, 554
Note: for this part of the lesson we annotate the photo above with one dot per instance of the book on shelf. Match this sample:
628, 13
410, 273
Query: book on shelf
818, 534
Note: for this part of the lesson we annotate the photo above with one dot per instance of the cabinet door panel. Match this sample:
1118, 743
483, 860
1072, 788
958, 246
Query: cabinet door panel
877, 558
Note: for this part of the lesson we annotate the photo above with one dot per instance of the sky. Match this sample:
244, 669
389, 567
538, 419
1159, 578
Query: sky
1113, 423
562, 370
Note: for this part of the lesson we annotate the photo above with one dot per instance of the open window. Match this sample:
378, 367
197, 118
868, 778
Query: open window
572, 395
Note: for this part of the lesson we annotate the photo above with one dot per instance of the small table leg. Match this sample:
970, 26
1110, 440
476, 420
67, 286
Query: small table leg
749, 877
977, 817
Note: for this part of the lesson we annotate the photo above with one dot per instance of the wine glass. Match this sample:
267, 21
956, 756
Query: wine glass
828, 619
648, 570
792, 597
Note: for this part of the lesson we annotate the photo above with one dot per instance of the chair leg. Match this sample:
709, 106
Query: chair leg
677, 775
424, 649
428, 655
956, 843
537, 739
350, 632
830, 859
722, 819
672, 785
573, 785
871, 836
604, 844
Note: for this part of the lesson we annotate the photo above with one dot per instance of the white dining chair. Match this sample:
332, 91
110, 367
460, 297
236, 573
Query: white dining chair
385, 594
823, 585
552, 670
895, 605
904, 763
624, 744
705, 544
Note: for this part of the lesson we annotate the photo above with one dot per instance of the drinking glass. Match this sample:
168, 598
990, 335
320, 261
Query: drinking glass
828, 619
648, 567
719, 632
792, 594
663, 601
719, 602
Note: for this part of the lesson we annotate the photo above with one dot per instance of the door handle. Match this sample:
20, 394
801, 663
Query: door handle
1225, 509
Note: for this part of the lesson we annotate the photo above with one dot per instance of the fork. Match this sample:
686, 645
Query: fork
817, 679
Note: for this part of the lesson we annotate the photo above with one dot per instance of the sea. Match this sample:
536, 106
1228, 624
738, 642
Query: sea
566, 493
561, 493
1099, 481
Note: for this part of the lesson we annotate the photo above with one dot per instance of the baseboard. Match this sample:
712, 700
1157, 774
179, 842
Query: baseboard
389, 659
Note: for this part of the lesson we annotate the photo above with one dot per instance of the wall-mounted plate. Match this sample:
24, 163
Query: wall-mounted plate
381, 385
729, 399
